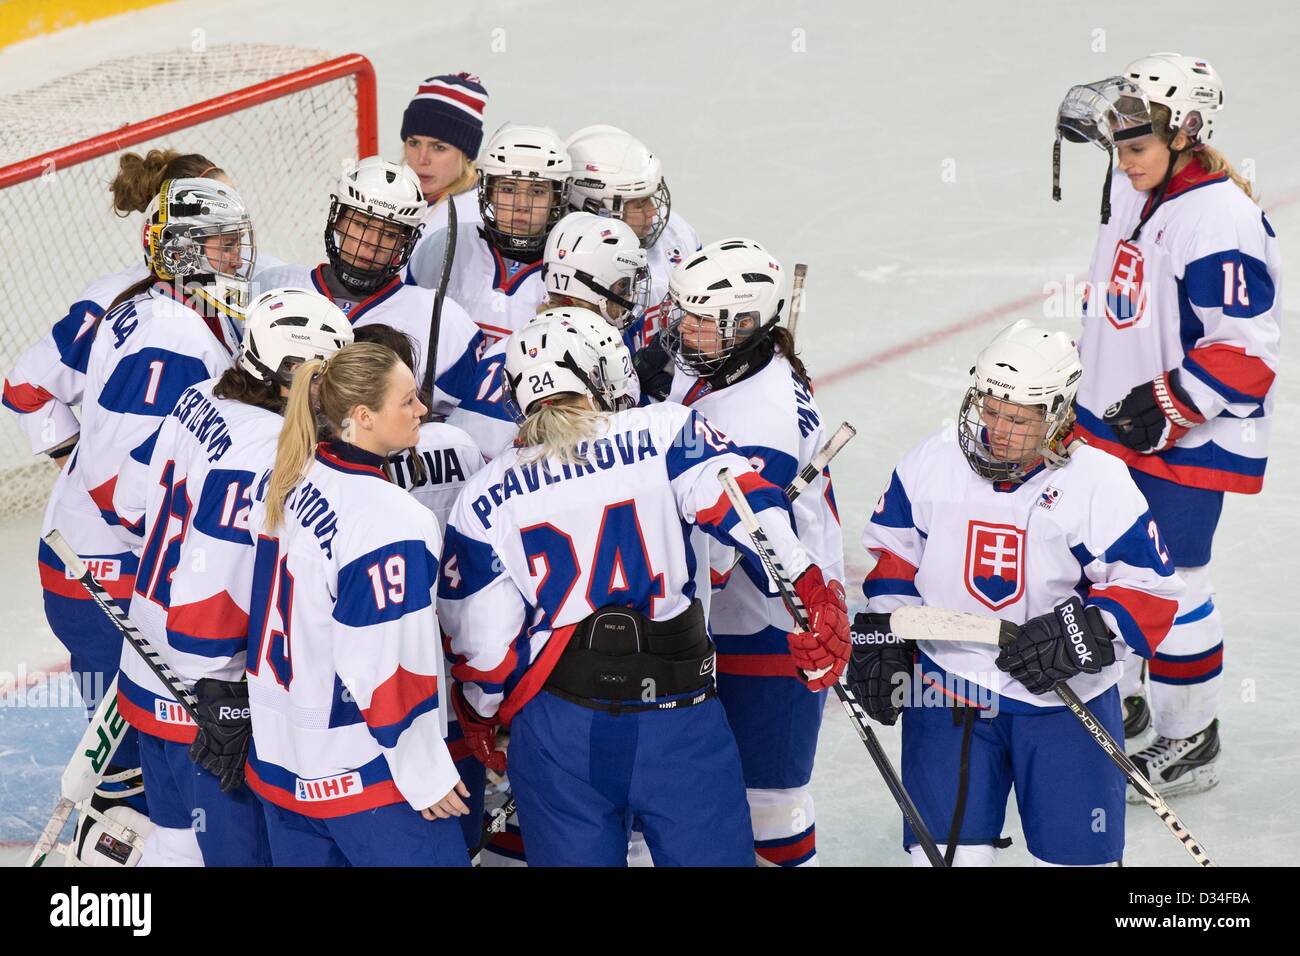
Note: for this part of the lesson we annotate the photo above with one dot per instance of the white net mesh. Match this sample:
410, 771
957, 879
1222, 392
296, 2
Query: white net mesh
60, 231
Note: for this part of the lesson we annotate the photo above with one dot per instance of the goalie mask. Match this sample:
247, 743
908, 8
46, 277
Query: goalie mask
374, 221
721, 303
197, 231
567, 351
286, 327
1019, 409
598, 261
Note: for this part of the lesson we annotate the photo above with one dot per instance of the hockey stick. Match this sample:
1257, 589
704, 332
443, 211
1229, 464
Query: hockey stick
500, 816
936, 624
84, 771
851, 707
843, 435
123, 623
796, 296
435, 320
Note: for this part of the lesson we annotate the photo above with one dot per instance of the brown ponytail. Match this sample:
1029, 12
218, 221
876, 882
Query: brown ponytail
355, 375
237, 384
784, 343
139, 177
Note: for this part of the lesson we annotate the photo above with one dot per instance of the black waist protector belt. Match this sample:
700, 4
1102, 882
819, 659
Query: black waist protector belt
620, 661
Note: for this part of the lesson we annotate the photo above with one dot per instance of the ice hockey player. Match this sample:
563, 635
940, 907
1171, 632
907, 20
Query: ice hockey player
1005, 514
737, 366
616, 175
49, 375
190, 486
177, 326
575, 609
442, 130
523, 189
592, 263
374, 220
348, 751
1180, 348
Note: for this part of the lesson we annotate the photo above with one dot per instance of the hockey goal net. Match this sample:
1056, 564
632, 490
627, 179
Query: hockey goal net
280, 120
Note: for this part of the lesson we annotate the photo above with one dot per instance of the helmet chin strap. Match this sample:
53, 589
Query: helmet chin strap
747, 359
1159, 195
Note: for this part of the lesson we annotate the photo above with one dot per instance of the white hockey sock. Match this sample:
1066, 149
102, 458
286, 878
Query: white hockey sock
1186, 673
975, 854
171, 846
785, 832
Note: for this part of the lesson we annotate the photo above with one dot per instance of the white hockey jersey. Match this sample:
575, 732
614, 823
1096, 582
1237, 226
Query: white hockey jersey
1200, 291
499, 294
195, 577
773, 420
344, 654
146, 352
944, 537
533, 548
408, 310
677, 242
448, 457
424, 268
49, 375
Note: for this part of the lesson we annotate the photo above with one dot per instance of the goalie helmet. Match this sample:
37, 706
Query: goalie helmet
722, 301
567, 351
519, 168
612, 169
598, 261
374, 221
1019, 408
198, 231
286, 327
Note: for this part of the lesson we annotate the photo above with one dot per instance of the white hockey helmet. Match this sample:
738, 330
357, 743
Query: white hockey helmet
286, 327
1020, 404
598, 261
376, 209
612, 167
567, 351
198, 231
735, 284
516, 159
1189, 87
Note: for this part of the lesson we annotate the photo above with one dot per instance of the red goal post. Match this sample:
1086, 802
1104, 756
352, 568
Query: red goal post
281, 121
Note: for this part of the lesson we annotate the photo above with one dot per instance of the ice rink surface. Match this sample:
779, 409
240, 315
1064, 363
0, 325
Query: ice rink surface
903, 152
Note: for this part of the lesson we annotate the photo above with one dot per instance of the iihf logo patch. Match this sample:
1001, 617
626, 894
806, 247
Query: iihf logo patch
1126, 295
563, 253
995, 563
675, 256
532, 352
1049, 497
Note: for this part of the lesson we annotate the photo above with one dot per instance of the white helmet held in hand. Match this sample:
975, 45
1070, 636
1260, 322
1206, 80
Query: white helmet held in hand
734, 285
567, 351
1188, 86
612, 169
198, 230
286, 327
598, 261
524, 175
374, 221
1020, 405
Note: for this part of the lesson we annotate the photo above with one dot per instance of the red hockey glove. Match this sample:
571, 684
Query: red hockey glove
825, 646
480, 732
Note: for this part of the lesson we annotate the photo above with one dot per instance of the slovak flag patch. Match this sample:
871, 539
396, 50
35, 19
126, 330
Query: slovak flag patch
995, 563
1126, 294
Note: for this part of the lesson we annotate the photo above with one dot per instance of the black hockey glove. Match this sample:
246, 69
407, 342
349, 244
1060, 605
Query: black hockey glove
225, 727
1153, 415
1070, 639
878, 658
654, 370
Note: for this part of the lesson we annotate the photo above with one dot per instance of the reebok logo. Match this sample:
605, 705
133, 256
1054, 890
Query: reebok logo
234, 713
862, 639
1075, 634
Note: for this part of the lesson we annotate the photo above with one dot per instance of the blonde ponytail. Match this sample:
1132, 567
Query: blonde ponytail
1211, 160
297, 441
554, 429
325, 392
